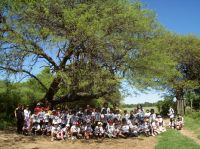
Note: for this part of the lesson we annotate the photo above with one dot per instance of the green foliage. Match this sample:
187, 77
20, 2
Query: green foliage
192, 122
172, 139
145, 104
192, 98
96, 43
163, 106
90, 47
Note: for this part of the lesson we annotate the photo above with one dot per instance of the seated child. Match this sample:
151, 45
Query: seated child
161, 126
116, 130
134, 131
99, 131
179, 122
88, 131
75, 131
110, 129
56, 132
147, 113
155, 127
48, 129
125, 129
35, 124
25, 129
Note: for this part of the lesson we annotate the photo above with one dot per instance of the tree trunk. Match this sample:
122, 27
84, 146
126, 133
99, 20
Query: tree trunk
180, 102
53, 89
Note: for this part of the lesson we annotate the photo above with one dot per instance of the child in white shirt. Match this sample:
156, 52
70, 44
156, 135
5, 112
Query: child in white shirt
99, 131
88, 131
110, 129
75, 130
55, 129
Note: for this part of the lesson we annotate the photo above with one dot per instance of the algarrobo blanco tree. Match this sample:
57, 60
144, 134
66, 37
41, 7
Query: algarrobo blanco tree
186, 51
89, 45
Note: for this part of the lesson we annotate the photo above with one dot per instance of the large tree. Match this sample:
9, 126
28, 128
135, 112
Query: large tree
186, 51
89, 45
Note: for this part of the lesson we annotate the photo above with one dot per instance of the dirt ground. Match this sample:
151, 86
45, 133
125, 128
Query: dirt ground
10, 140
190, 134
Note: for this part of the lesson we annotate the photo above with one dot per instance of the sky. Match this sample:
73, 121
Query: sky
180, 16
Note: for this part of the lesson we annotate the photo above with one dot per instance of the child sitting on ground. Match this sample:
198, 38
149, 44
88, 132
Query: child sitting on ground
88, 131
179, 122
55, 132
116, 130
75, 131
161, 125
110, 129
125, 129
99, 131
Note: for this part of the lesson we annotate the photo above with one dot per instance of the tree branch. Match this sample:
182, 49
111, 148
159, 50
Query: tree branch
24, 71
79, 96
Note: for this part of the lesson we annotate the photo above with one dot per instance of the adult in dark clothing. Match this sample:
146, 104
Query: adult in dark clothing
19, 114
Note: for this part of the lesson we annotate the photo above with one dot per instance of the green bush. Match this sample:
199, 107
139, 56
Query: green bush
6, 124
163, 105
194, 115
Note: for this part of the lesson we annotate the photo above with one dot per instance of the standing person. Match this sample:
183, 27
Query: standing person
27, 116
171, 115
152, 119
105, 109
19, 114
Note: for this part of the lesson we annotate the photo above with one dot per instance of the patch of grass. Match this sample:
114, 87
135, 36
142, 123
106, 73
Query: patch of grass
198, 136
192, 122
172, 139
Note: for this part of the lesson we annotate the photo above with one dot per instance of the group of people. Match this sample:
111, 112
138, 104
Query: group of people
88, 122
176, 121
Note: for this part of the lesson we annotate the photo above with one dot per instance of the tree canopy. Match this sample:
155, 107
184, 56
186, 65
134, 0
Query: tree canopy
89, 47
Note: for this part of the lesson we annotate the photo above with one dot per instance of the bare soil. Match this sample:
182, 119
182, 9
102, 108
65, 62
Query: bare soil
11, 140
190, 134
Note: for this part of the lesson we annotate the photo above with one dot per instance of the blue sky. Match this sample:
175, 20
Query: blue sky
180, 16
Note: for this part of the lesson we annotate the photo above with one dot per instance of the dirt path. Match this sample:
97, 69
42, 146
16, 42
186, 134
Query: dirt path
190, 134
10, 140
